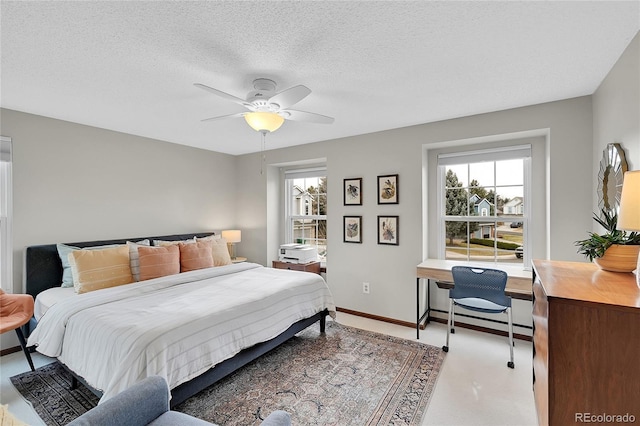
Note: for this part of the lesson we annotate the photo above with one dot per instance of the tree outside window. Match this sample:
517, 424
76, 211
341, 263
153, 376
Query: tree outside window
484, 211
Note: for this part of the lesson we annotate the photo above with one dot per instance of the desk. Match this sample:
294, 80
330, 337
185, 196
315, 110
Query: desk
518, 281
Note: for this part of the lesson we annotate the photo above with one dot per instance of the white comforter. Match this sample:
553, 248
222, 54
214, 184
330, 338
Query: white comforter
178, 326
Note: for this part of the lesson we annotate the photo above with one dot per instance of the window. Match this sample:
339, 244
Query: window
306, 208
483, 211
6, 251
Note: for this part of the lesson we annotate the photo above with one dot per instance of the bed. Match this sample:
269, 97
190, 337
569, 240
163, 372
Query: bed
192, 328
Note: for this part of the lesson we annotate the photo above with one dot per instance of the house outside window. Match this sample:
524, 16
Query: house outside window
306, 208
483, 214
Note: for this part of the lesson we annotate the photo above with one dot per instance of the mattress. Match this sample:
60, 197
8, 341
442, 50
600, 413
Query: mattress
50, 297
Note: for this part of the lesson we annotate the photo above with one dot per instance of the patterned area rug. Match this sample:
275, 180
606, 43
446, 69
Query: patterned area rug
48, 391
344, 377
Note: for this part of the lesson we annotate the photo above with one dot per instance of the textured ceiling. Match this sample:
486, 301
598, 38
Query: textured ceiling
130, 66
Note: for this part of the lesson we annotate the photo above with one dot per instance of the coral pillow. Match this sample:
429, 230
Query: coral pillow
158, 261
195, 256
98, 269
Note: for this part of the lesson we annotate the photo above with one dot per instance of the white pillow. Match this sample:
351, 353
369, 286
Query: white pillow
160, 243
134, 258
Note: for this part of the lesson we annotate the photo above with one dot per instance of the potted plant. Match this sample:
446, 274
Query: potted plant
615, 250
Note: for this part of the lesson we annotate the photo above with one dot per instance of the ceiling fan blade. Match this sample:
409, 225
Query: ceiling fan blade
292, 114
222, 117
223, 94
290, 96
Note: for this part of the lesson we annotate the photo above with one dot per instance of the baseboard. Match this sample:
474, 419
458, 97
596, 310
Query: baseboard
482, 329
8, 351
434, 319
376, 317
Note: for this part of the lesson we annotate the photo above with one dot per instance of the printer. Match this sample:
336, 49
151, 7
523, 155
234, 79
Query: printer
298, 253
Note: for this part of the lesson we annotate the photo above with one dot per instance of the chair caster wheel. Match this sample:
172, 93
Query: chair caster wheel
511, 364
445, 348
453, 331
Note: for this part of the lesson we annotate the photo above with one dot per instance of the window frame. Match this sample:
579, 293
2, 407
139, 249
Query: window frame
523, 152
289, 216
6, 210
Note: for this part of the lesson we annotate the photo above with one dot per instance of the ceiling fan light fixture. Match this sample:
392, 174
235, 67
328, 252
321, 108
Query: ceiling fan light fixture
264, 121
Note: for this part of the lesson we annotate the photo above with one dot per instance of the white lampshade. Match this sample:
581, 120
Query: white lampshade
232, 235
264, 121
629, 215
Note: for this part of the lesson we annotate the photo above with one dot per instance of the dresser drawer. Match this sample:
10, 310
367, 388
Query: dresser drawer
307, 267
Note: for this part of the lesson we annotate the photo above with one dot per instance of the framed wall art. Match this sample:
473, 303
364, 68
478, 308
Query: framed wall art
388, 189
353, 192
388, 230
352, 229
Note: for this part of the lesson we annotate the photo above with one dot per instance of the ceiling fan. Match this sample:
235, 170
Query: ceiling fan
267, 109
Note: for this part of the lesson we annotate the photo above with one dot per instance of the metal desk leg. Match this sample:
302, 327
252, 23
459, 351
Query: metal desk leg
427, 312
418, 308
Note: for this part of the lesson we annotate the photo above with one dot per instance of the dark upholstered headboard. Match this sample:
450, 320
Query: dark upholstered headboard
43, 269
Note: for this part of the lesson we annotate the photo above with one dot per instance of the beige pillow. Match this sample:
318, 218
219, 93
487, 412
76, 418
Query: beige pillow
195, 256
219, 250
97, 269
158, 261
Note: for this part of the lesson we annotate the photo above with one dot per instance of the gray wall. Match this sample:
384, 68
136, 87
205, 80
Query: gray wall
616, 112
77, 183
567, 129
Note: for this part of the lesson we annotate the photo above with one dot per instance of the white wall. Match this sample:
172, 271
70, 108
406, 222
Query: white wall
389, 269
616, 112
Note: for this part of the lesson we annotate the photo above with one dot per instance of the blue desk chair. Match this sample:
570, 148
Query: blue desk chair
479, 290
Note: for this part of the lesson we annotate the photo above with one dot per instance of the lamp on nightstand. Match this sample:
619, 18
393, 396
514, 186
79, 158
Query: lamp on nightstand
232, 236
629, 215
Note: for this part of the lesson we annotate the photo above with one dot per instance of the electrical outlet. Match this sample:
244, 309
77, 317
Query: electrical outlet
365, 288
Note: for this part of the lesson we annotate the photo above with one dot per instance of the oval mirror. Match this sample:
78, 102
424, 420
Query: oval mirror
612, 167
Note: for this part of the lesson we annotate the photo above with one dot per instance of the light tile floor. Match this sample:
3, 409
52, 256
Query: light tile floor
475, 387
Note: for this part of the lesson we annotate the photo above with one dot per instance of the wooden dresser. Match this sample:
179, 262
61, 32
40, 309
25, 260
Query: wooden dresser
586, 344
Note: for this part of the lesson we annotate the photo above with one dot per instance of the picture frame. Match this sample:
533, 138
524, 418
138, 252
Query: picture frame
352, 229
352, 190
388, 230
388, 189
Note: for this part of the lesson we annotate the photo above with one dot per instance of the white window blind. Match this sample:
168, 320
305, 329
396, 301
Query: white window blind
497, 154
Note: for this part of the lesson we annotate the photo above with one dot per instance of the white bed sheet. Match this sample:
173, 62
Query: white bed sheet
177, 327
49, 297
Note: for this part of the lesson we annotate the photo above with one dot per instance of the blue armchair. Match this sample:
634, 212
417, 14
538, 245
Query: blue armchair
147, 403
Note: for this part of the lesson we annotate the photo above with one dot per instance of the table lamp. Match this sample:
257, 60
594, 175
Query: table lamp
232, 236
629, 214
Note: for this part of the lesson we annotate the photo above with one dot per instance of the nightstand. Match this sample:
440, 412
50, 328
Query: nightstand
307, 267
239, 259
